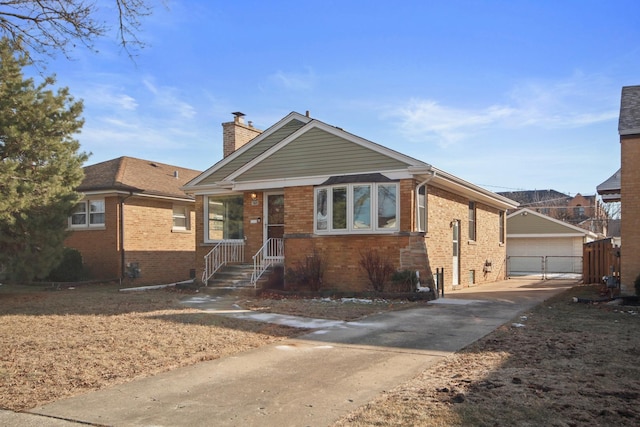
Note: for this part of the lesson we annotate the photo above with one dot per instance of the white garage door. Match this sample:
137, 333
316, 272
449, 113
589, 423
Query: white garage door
539, 255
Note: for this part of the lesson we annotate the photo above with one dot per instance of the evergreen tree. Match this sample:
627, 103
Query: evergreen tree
40, 167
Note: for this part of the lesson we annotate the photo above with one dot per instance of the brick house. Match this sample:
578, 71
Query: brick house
134, 222
627, 181
303, 187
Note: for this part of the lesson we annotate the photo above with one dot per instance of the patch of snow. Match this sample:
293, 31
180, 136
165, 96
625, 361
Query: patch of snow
517, 325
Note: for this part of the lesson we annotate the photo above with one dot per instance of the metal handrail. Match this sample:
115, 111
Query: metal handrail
223, 253
272, 252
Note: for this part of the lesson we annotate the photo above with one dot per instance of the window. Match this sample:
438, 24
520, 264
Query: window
421, 224
472, 220
358, 207
501, 226
180, 217
88, 213
225, 216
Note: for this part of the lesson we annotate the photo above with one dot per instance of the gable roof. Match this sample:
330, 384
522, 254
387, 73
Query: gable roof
142, 177
610, 189
299, 150
629, 121
528, 223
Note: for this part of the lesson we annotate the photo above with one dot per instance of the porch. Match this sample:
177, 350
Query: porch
233, 252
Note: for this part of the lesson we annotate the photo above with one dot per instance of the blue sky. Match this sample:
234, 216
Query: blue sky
508, 95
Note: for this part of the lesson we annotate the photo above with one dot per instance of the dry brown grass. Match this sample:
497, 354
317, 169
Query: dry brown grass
60, 343
572, 364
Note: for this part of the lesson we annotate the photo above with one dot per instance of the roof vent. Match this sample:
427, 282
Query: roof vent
175, 174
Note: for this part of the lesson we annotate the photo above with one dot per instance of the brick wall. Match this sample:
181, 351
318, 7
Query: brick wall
164, 256
100, 247
443, 207
235, 134
406, 249
630, 212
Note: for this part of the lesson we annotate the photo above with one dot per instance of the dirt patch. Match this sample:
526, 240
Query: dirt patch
560, 364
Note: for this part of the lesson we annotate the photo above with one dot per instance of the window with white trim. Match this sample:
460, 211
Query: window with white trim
501, 226
421, 214
180, 218
88, 213
357, 208
472, 220
224, 218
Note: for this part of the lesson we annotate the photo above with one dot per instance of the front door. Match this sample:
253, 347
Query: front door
274, 217
455, 270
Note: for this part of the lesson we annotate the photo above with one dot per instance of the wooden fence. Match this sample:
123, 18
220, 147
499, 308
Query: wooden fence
600, 258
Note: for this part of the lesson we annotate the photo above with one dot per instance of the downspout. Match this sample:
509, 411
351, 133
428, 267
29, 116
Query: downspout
122, 255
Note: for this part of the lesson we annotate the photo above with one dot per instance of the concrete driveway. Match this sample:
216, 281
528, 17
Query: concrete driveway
312, 380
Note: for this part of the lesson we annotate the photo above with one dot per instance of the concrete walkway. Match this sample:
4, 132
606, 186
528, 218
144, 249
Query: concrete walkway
312, 380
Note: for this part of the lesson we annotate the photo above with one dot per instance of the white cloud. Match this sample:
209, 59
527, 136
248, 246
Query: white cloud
295, 81
576, 102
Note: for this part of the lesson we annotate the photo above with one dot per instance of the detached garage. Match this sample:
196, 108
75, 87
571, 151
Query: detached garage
538, 245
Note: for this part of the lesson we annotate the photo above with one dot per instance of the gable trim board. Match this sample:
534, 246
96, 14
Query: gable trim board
399, 167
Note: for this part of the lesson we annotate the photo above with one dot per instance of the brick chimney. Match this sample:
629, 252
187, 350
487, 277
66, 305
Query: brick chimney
235, 134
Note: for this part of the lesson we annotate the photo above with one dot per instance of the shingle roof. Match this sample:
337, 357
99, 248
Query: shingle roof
629, 122
137, 175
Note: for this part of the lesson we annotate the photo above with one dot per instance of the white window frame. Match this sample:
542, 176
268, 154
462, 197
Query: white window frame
351, 228
180, 212
88, 223
422, 215
207, 239
473, 221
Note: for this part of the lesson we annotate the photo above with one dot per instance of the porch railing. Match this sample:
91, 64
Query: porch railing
272, 252
223, 253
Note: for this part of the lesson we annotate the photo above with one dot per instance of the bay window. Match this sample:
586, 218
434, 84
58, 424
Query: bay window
357, 208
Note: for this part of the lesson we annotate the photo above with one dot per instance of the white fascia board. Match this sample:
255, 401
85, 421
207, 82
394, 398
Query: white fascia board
634, 131
175, 199
472, 191
254, 141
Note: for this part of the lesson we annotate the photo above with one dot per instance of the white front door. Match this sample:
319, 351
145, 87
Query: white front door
455, 268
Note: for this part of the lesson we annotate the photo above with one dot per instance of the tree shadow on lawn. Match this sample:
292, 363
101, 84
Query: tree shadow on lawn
93, 299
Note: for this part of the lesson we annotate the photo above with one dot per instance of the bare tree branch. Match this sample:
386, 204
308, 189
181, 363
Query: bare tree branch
49, 27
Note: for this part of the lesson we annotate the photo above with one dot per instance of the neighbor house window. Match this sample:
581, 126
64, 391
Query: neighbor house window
501, 226
88, 213
225, 215
358, 207
472, 220
180, 217
421, 224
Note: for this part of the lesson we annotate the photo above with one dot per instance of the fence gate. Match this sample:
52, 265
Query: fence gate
544, 267
601, 258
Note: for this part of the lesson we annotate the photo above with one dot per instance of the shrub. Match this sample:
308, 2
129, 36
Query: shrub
405, 280
308, 273
70, 268
377, 267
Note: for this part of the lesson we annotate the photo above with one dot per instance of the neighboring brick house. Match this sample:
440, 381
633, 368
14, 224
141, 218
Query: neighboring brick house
583, 211
627, 181
303, 186
135, 222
